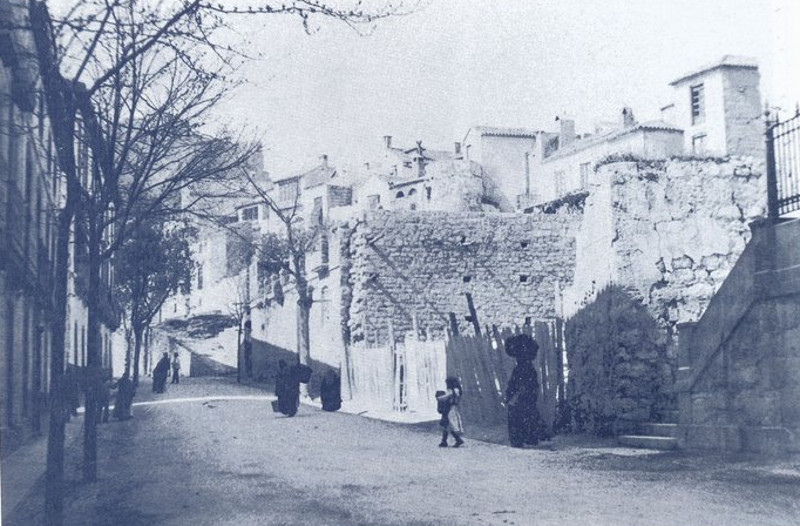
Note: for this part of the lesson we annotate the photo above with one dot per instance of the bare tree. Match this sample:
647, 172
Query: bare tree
287, 253
106, 70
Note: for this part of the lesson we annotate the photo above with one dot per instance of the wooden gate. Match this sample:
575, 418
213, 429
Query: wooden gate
483, 367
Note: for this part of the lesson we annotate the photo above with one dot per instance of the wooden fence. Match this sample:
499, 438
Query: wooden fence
403, 376
483, 367
400, 376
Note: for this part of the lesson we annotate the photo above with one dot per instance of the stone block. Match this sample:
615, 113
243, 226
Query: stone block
710, 437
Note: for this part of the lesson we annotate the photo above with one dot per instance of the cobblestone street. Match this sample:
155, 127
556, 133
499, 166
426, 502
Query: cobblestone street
195, 457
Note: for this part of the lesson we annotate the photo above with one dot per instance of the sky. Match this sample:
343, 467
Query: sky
452, 64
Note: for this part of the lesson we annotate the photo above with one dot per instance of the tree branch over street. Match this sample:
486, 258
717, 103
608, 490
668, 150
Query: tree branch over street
134, 80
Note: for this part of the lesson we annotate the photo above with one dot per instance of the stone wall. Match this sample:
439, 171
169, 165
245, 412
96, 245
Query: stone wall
740, 364
752, 387
407, 264
680, 226
668, 233
672, 231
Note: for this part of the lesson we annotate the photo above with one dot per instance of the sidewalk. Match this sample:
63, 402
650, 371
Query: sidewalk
23, 468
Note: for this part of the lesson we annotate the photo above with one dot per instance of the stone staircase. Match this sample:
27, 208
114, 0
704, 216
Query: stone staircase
662, 435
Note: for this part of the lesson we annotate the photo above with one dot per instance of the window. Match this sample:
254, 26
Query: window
585, 168
699, 145
559, 182
250, 213
698, 103
317, 212
288, 190
324, 306
199, 277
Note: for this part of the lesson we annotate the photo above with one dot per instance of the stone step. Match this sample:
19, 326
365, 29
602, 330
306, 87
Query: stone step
670, 417
659, 430
648, 442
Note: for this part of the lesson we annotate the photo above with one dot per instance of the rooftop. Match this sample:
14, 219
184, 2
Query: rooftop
727, 61
582, 144
504, 132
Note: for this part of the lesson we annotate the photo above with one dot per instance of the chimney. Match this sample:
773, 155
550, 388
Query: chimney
366, 167
324, 160
628, 120
387, 140
566, 131
457, 149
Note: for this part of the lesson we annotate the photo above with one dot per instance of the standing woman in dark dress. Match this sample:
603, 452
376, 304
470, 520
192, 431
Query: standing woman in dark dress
287, 389
331, 391
160, 374
524, 421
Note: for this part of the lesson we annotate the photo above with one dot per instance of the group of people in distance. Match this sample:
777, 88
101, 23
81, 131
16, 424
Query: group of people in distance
287, 388
525, 424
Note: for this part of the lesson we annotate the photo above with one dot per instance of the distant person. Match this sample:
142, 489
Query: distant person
331, 391
525, 425
124, 401
104, 400
176, 369
287, 389
160, 373
71, 390
451, 419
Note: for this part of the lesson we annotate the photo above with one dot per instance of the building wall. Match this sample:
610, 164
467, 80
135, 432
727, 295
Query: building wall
713, 124
744, 134
29, 194
408, 264
643, 143
448, 185
733, 112
503, 161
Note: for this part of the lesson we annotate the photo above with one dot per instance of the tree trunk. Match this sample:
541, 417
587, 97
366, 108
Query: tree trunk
128, 356
137, 347
239, 353
54, 479
93, 357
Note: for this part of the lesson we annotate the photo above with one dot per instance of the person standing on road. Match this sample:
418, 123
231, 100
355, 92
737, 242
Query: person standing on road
104, 400
287, 389
451, 420
176, 369
524, 421
330, 391
125, 394
160, 374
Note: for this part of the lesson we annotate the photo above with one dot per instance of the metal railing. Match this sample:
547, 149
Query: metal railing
783, 165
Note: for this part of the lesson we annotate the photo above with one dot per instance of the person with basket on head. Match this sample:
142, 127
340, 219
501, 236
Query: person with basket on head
525, 424
447, 404
287, 386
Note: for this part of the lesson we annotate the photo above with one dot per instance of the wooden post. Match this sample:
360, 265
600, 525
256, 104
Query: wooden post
473, 314
453, 324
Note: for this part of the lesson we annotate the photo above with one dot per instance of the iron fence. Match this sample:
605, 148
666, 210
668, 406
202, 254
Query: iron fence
783, 165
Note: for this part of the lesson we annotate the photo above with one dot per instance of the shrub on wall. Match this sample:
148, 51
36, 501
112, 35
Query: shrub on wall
614, 351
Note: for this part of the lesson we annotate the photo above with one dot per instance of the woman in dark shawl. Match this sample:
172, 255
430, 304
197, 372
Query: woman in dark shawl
287, 389
524, 421
160, 374
125, 394
331, 391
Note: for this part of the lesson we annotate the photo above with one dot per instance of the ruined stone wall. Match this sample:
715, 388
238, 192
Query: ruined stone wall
406, 264
680, 226
668, 233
